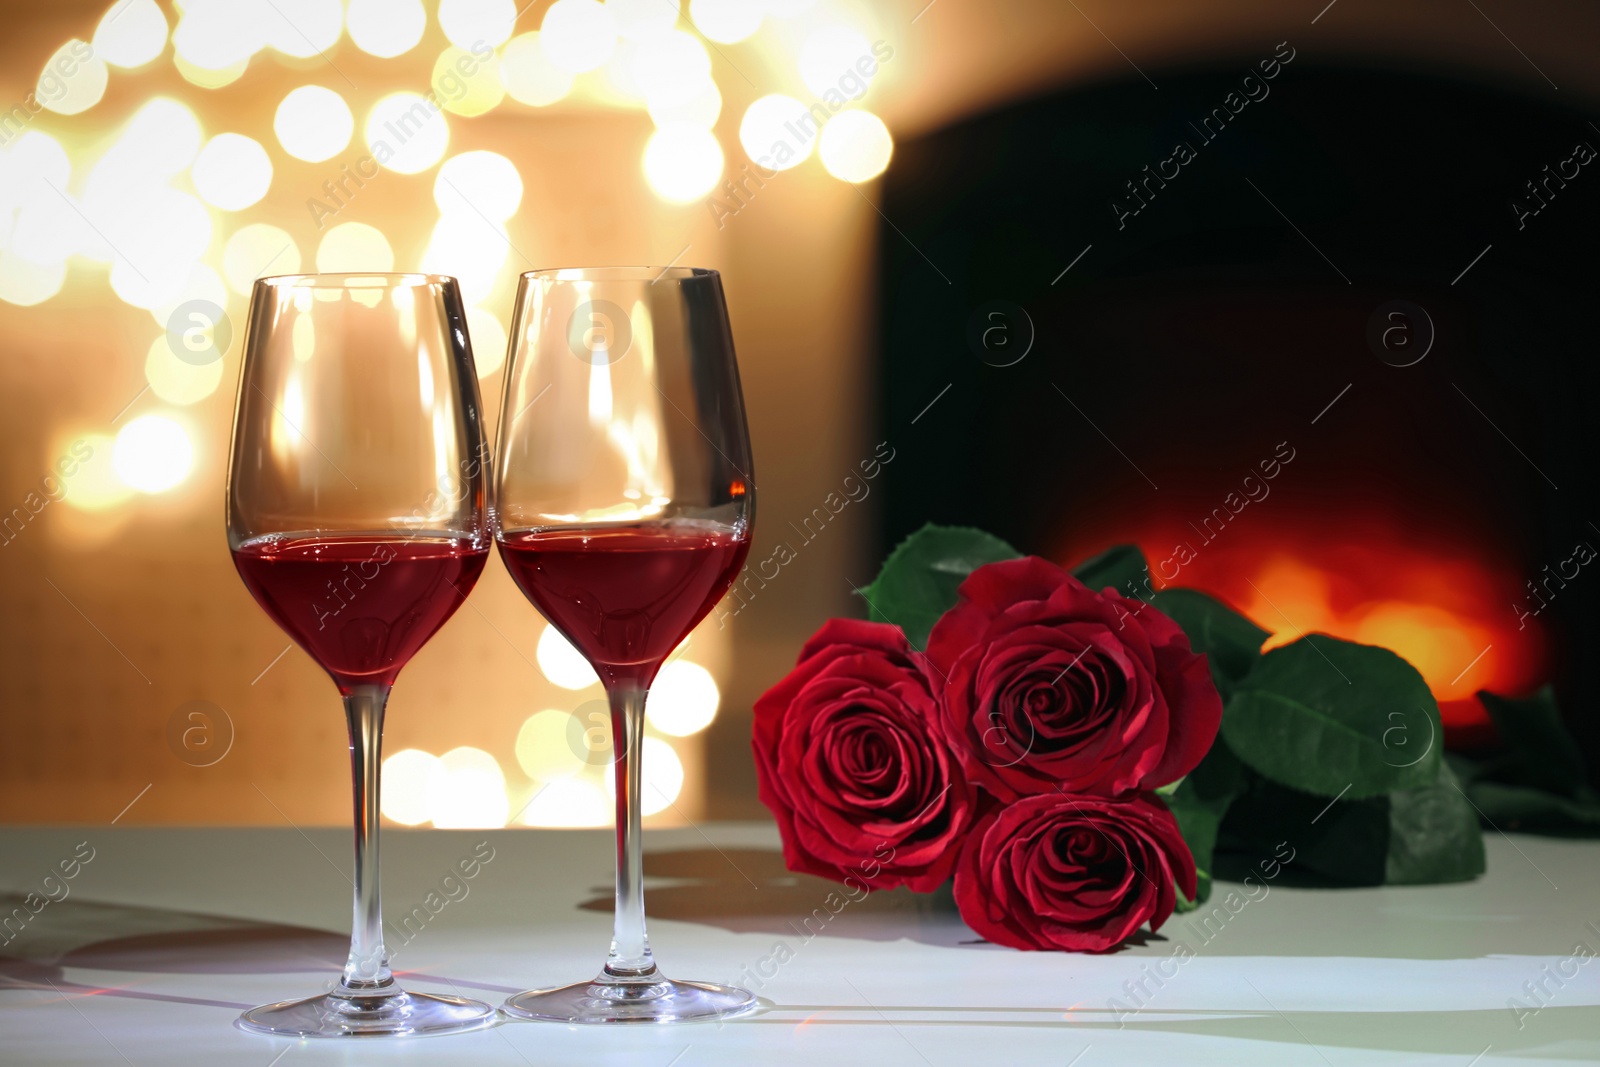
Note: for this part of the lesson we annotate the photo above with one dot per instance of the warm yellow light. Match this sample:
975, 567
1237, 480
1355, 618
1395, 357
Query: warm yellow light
561, 663
701, 110
159, 142
856, 146
777, 132
92, 484
488, 340
671, 69
30, 166
662, 780
469, 23
683, 699
210, 34
577, 35
26, 284
313, 123
302, 28
73, 80
258, 251
202, 283
147, 287
152, 454
469, 248
232, 171
36, 219
156, 245
616, 84
178, 381
131, 33
698, 111
830, 54
386, 28
726, 21
354, 248
129, 204
472, 794
407, 133
48, 229
84, 467
545, 746
788, 9
412, 782
205, 77
528, 74
481, 182
303, 338
569, 803
465, 84
682, 162
1429, 638
640, 20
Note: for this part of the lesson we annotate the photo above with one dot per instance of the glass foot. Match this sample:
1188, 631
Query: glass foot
658, 1001
342, 1015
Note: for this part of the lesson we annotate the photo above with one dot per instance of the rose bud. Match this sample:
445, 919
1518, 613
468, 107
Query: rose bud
1079, 873
1049, 684
852, 764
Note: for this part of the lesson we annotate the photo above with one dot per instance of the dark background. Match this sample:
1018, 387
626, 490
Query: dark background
1181, 348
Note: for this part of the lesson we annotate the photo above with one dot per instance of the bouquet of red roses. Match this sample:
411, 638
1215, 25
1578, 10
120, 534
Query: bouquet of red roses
1008, 723
1020, 752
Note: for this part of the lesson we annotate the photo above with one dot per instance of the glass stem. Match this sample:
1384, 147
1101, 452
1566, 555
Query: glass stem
630, 958
367, 972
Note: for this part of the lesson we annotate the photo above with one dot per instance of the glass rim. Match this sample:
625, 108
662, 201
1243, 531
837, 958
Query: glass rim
617, 274
354, 279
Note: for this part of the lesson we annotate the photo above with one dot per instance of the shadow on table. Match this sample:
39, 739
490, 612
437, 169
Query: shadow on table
115, 937
748, 890
48, 978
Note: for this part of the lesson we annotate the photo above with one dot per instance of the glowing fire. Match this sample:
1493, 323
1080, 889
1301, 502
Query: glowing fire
1450, 614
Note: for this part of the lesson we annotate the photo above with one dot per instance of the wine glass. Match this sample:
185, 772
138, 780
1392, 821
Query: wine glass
623, 510
357, 519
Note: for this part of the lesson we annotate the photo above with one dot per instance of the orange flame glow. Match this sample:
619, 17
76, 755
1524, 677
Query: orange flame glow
1450, 614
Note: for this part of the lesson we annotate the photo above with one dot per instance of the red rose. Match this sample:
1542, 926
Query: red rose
1079, 873
1050, 685
851, 762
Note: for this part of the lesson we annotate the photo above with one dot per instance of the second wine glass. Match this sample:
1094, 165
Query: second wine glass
623, 507
357, 519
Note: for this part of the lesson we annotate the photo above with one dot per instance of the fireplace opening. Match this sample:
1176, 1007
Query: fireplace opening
1329, 364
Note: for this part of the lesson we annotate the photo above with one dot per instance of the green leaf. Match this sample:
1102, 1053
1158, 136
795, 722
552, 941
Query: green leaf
1424, 835
1332, 717
1340, 842
1467, 769
1433, 835
1122, 567
1538, 784
1544, 754
1536, 811
1231, 642
1199, 803
919, 580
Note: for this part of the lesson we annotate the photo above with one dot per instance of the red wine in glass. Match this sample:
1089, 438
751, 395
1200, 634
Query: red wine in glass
625, 596
623, 507
357, 516
360, 606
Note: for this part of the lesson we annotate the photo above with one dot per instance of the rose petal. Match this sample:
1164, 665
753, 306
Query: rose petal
1080, 873
853, 767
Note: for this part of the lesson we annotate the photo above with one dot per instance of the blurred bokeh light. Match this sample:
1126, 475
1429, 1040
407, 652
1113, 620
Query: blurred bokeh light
182, 150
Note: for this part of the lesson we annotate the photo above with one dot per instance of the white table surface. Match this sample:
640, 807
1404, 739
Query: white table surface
167, 934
